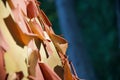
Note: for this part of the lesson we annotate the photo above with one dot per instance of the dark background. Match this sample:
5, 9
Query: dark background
98, 22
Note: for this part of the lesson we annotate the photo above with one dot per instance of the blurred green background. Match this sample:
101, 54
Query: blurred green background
97, 19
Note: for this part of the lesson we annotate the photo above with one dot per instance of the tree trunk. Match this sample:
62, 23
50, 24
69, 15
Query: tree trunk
118, 19
71, 31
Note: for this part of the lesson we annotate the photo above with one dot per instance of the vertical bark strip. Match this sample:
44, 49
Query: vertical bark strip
72, 33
